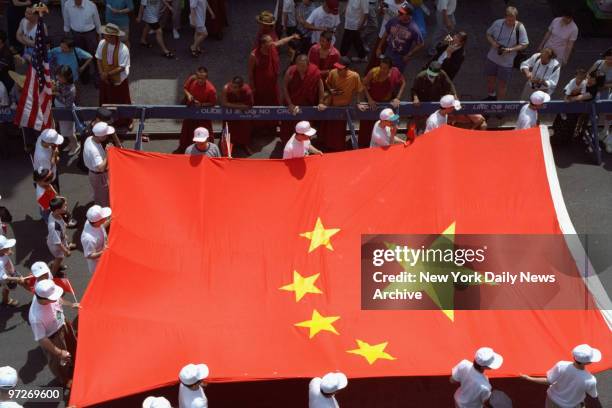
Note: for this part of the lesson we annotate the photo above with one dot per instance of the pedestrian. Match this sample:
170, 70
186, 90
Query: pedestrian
576, 87
82, 22
451, 53
26, 33
430, 85
369, 35
199, 403
7, 61
8, 382
67, 54
202, 145
102, 115
57, 239
46, 153
15, 11
197, 17
64, 93
355, 18
199, 92
401, 40
303, 10
322, 391
302, 86
217, 21
570, 381
40, 271
94, 157
299, 144
48, 324
542, 71
8, 274
238, 95
528, 116
44, 191
383, 84
118, 13
156, 402
448, 104
324, 55
561, 36
475, 389
602, 68
150, 12
384, 132
94, 238
192, 384
507, 36
323, 18
289, 26
445, 22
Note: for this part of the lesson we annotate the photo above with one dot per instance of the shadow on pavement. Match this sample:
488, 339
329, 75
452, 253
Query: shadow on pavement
35, 363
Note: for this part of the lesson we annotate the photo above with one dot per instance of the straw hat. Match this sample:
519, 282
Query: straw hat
112, 29
266, 18
18, 78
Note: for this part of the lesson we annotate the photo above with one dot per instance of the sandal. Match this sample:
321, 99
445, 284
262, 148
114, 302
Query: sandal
168, 55
194, 53
146, 45
11, 303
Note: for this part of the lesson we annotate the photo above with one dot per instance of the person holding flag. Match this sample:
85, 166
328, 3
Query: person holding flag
475, 389
192, 384
384, 132
448, 104
299, 144
322, 391
201, 145
8, 276
528, 115
94, 237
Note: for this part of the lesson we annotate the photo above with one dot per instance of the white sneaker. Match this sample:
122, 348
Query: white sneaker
175, 34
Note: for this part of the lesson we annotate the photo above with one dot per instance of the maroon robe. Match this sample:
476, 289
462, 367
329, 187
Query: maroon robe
265, 80
215, 26
240, 130
303, 92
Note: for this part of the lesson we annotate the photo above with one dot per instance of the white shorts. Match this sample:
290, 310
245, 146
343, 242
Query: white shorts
198, 18
55, 250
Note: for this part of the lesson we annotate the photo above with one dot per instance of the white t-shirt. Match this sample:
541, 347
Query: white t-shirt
42, 157
527, 118
123, 58
6, 267
475, 388
56, 231
45, 319
391, 10
569, 384
571, 88
93, 154
355, 10
316, 399
381, 136
93, 240
294, 148
449, 5
436, 120
560, 35
320, 19
289, 9
186, 396
9, 404
152, 10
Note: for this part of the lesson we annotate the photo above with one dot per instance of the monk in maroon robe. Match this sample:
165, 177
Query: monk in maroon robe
238, 95
266, 26
324, 55
215, 26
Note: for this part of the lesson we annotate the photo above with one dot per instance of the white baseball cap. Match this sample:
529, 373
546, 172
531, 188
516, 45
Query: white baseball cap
586, 354
486, 357
192, 373
39, 269
97, 213
388, 114
102, 129
539, 98
200, 135
449, 101
199, 402
47, 289
156, 402
51, 136
8, 378
333, 382
6, 243
304, 128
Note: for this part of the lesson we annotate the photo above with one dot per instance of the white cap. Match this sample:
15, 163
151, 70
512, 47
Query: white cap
156, 402
304, 128
39, 269
586, 354
388, 114
97, 213
486, 357
6, 243
539, 98
8, 378
47, 289
192, 373
51, 136
449, 101
200, 135
333, 382
102, 129
199, 402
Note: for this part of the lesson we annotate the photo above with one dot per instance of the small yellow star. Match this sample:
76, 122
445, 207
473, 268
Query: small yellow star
319, 323
320, 236
372, 352
302, 285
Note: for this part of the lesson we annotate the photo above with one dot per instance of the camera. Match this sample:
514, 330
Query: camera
500, 50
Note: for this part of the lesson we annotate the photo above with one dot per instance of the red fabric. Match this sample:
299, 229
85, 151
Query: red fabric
45, 200
240, 130
207, 288
265, 77
325, 64
303, 92
265, 30
332, 134
205, 94
383, 91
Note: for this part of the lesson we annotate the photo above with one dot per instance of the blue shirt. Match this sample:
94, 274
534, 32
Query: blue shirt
401, 36
122, 20
58, 58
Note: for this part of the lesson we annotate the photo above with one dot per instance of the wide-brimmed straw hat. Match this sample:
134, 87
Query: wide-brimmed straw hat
266, 18
112, 29
18, 78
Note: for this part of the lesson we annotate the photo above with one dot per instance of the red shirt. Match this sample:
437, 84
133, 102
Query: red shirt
202, 93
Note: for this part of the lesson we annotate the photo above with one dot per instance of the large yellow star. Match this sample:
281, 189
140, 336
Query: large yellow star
302, 285
320, 236
319, 323
372, 352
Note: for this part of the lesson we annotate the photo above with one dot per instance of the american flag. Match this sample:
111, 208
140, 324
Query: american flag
226, 142
34, 109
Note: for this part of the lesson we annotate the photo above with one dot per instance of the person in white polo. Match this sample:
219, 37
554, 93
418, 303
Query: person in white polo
192, 384
322, 391
94, 157
448, 104
475, 389
528, 116
46, 153
156, 402
93, 237
8, 381
299, 144
568, 381
199, 403
201, 145
385, 129
8, 275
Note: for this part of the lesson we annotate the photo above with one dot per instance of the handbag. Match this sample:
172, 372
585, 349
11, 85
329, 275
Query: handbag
520, 55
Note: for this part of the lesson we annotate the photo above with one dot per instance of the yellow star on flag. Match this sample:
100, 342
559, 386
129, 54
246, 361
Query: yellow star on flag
372, 352
319, 323
320, 236
302, 285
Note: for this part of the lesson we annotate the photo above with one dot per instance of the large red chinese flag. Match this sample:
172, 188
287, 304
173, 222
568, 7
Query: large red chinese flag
253, 266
